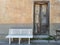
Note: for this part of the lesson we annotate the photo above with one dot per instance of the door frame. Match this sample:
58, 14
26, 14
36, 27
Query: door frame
34, 15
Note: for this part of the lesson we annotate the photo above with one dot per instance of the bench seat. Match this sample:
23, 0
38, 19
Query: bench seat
20, 33
19, 36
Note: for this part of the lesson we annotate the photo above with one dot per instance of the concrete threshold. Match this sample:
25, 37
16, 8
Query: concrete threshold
41, 36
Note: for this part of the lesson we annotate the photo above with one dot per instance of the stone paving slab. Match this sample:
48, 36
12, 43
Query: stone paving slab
33, 44
45, 41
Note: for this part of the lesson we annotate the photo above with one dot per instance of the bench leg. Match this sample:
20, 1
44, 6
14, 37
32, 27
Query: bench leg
29, 41
19, 40
9, 41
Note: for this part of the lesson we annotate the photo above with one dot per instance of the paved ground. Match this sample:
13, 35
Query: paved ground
40, 42
32, 44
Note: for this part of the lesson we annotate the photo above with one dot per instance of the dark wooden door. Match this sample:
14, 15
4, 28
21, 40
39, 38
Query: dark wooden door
41, 18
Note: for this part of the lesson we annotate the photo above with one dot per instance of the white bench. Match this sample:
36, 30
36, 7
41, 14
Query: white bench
20, 33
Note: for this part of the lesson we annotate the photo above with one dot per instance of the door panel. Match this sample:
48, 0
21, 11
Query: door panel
44, 20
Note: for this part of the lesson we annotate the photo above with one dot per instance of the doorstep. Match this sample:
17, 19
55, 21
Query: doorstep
41, 36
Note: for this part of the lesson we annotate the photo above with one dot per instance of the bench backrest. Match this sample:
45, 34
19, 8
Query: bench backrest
20, 31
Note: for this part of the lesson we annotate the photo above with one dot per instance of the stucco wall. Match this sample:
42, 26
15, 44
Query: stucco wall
15, 11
